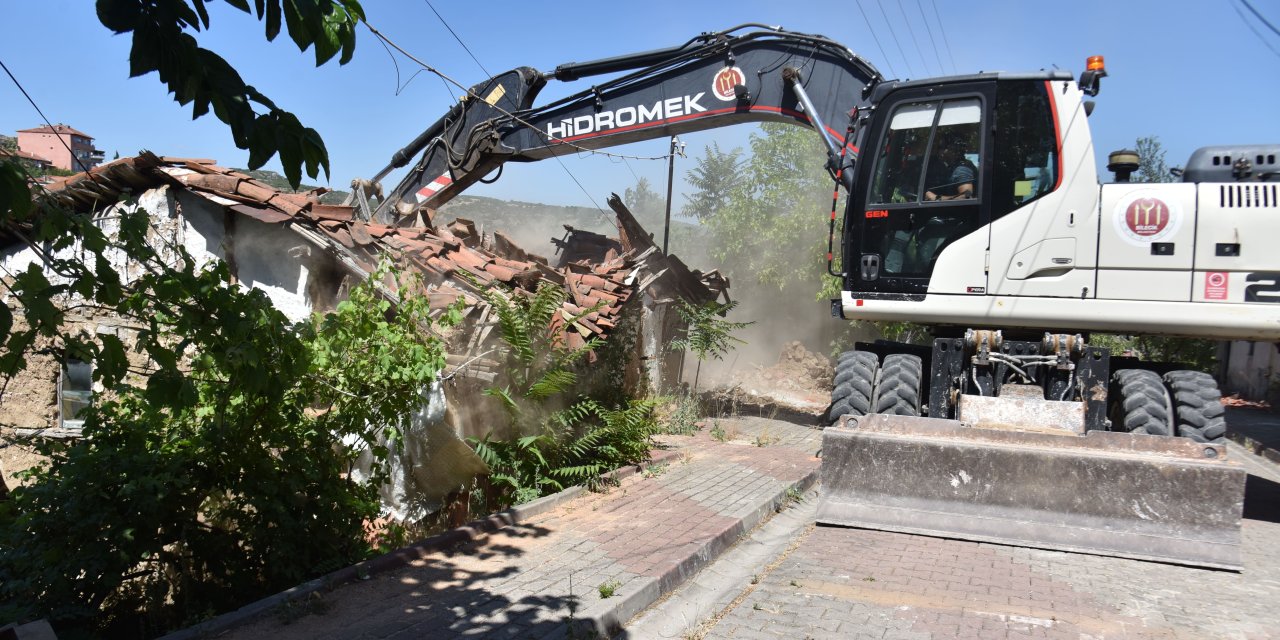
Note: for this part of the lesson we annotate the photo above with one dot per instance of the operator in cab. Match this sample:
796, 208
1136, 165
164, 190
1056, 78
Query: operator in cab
954, 174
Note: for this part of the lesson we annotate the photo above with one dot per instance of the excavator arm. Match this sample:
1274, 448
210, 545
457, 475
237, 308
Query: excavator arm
750, 73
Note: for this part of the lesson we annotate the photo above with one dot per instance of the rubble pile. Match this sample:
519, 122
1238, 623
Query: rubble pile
797, 387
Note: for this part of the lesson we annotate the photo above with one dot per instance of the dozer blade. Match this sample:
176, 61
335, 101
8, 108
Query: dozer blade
1115, 494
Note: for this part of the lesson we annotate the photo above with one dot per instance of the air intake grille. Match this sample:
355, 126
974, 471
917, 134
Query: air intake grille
1246, 196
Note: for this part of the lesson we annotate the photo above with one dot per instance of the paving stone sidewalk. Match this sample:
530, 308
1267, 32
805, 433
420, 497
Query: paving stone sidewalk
833, 582
546, 577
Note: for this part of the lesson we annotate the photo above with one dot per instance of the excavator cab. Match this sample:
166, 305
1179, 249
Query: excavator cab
942, 166
961, 212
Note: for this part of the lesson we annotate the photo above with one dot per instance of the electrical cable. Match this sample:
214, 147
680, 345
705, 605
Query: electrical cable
1260, 17
486, 71
932, 40
455, 37
946, 41
633, 171
872, 29
499, 109
912, 31
1255, 31
396, 65
896, 41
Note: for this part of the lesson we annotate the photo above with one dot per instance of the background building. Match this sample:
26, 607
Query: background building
63, 146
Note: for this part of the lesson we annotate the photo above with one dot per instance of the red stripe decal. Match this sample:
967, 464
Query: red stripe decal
1053, 112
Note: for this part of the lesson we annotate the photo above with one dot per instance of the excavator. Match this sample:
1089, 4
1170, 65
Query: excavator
973, 207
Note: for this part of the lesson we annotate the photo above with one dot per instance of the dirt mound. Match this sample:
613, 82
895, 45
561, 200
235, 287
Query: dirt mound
803, 365
799, 384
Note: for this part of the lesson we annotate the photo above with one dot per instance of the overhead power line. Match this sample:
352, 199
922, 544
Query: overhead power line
40, 111
455, 37
932, 40
1260, 17
912, 31
884, 56
486, 72
896, 41
1254, 29
942, 27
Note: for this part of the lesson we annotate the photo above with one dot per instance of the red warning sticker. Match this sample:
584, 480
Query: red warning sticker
1215, 285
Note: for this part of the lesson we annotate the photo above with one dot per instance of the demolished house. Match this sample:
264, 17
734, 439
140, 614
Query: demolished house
305, 255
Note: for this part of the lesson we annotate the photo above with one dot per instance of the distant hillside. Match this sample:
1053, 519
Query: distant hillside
280, 183
532, 225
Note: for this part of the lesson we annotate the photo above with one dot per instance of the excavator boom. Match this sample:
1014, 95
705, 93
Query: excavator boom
751, 73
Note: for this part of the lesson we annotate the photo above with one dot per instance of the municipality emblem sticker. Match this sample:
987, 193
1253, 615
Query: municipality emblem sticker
1142, 218
726, 79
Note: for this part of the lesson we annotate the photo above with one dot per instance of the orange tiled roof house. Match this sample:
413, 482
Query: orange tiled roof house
304, 255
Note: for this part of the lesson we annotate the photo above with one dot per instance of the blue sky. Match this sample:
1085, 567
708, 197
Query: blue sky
1192, 73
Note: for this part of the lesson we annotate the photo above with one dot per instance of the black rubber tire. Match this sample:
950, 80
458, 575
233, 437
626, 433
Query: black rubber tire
1197, 406
854, 383
1139, 403
898, 391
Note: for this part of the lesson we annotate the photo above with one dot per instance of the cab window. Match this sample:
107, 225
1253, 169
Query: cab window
1026, 149
925, 185
931, 153
901, 159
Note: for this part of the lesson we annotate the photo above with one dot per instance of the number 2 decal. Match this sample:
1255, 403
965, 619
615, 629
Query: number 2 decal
1265, 287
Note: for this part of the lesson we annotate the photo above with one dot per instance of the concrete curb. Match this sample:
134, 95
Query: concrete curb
397, 559
1254, 447
608, 618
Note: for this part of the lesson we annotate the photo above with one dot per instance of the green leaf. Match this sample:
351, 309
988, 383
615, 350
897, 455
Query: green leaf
112, 363
119, 16
290, 150
273, 19
109, 290
14, 358
15, 196
262, 142
296, 23
6, 322
203, 13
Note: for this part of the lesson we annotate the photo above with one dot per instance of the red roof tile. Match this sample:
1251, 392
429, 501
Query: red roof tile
440, 253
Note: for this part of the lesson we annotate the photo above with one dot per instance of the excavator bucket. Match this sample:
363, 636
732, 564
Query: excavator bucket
1115, 494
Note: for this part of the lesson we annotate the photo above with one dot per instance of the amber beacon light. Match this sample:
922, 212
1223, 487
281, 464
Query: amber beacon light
1091, 78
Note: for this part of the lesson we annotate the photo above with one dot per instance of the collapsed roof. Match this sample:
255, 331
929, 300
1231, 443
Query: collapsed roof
455, 260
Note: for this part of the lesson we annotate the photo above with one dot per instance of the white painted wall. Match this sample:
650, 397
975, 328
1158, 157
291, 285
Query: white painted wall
267, 257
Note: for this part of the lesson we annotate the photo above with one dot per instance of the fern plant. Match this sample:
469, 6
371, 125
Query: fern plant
539, 365
552, 445
518, 469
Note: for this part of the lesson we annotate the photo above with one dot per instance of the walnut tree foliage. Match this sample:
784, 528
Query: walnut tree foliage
165, 41
216, 473
772, 226
714, 178
768, 218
